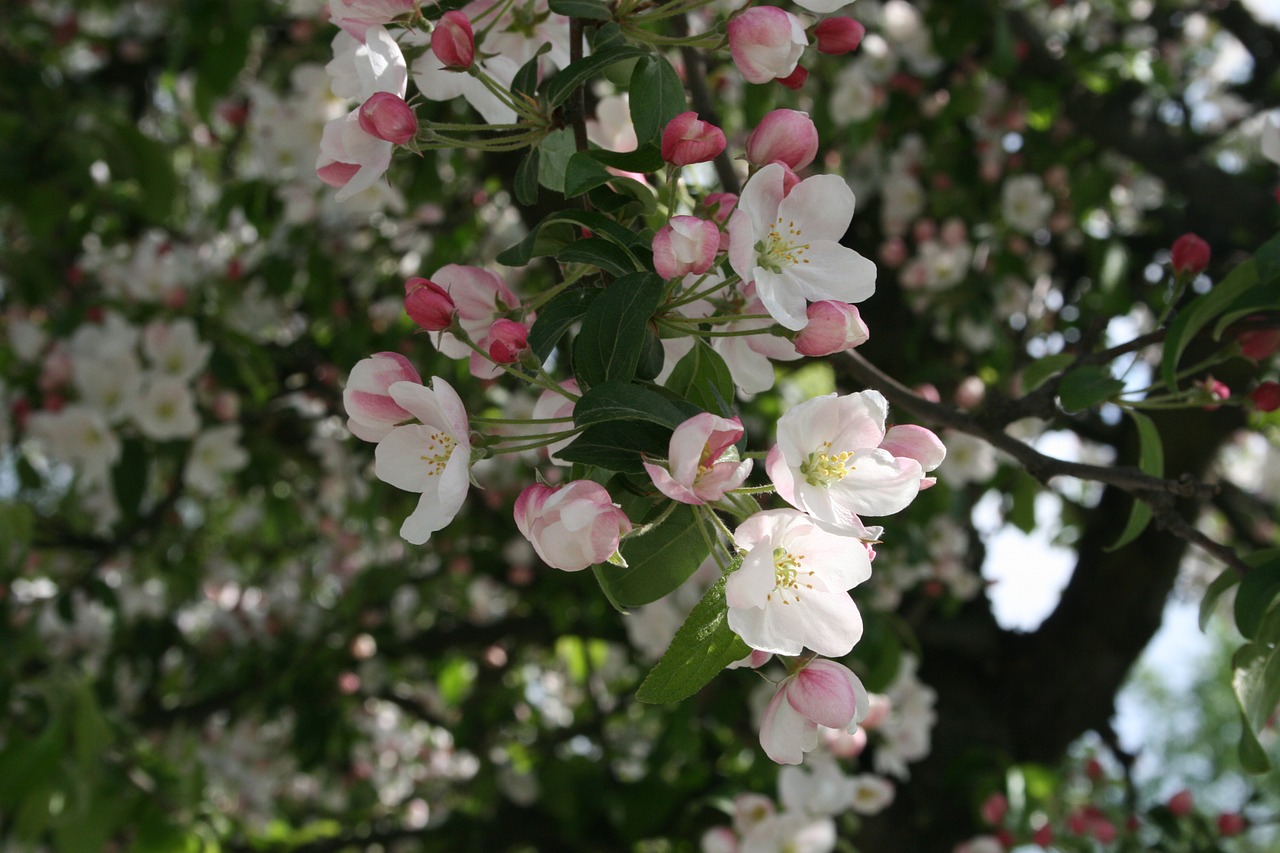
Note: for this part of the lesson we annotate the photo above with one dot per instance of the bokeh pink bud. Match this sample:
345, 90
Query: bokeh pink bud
688, 139
453, 41
573, 526
838, 35
428, 304
1190, 255
766, 43
685, 245
508, 341
788, 137
833, 327
386, 116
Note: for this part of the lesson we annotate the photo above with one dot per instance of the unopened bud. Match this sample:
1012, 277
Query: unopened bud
428, 304
386, 116
783, 136
1190, 255
833, 327
508, 340
453, 41
688, 139
839, 35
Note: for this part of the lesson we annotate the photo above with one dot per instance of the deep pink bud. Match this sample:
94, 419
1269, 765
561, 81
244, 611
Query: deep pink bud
994, 809
833, 327
429, 304
453, 41
687, 139
1213, 390
795, 79
1043, 836
1190, 255
1181, 803
839, 35
1266, 397
783, 136
1230, 824
1257, 344
388, 117
508, 340
686, 245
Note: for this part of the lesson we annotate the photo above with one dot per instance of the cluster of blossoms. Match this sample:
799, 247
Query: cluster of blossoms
745, 280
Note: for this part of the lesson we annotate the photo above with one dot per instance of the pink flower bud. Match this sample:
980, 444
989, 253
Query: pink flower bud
911, 441
371, 411
1257, 344
1266, 397
1190, 255
766, 43
994, 809
839, 35
795, 80
685, 245
573, 526
453, 41
1043, 836
1181, 803
823, 693
508, 340
687, 139
429, 304
1231, 824
1214, 390
386, 116
833, 327
783, 136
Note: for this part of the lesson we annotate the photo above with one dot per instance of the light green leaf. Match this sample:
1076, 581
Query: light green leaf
702, 647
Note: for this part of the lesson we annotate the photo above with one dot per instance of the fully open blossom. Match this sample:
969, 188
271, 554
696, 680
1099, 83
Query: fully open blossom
822, 693
371, 411
215, 452
431, 457
829, 463
166, 409
766, 43
175, 349
791, 592
1025, 203
788, 244
572, 527
356, 16
701, 464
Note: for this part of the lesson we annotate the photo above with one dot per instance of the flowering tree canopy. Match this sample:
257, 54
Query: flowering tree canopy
585, 424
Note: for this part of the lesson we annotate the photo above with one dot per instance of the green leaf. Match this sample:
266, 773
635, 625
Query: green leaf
563, 84
526, 186
1256, 681
608, 347
652, 357
618, 445
620, 401
1087, 386
656, 96
1151, 461
646, 158
1223, 582
526, 79
556, 148
1038, 372
1259, 591
657, 562
584, 173
556, 317
1268, 259
1263, 298
702, 647
591, 10
129, 477
598, 252
703, 378
1022, 512
534, 244
1200, 312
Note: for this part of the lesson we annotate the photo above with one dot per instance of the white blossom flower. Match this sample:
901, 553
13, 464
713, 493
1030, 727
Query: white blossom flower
1025, 203
216, 451
166, 409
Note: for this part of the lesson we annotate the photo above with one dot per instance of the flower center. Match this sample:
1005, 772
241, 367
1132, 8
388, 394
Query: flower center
788, 575
822, 469
439, 447
781, 248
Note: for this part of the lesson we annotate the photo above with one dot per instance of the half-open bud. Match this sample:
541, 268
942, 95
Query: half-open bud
685, 245
833, 327
508, 340
688, 139
783, 136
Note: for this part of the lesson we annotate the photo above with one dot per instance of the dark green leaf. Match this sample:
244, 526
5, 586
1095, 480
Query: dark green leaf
563, 84
1022, 512
598, 252
1223, 582
652, 357
526, 188
702, 647
584, 173
1259, 591
620, 401
591, 10
1261, 298
129, 477
1256, 681
555, 318
702, 378
1151, 461
656, 97
657, 562
608, 347
526, 79
618, 445
1268, 258
1038, 372
1087, 386
646, 158
1200, 313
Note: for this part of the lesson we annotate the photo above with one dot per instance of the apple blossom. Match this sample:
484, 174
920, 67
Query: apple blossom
428, 304
386, 116
453, 42
686, 245
766, 43
839, 35
480, 298
431, 457
552, 405
215, 452
1190, 255
371, 411
572, 527
788, 244
821, 693
702, 462
687, 139
916, 442
1025, 203
783, 136
356, 16
166, 409
833, 327
791, 592
872, 794
1257, 344
1231, 824
828, 460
